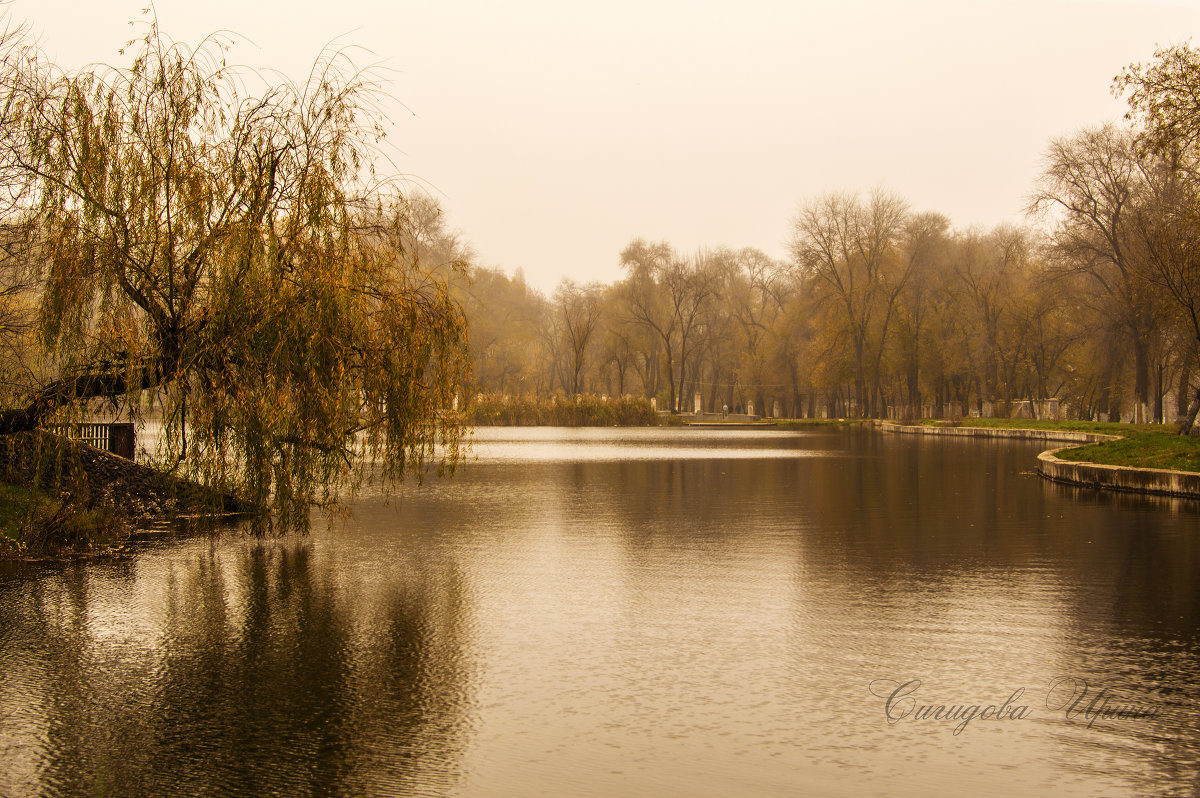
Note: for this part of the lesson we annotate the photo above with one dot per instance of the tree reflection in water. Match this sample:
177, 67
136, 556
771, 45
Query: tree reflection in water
254, 671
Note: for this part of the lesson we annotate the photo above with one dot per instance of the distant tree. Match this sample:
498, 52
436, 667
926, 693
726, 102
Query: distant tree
1164, 103
1093, 182
667, 294
928, 243
505, 317
229, 254
618, 350
988, 268
754, 294
850, 249
578, 313
1167, 223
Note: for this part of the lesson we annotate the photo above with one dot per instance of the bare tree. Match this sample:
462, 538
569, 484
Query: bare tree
666, 294
1167, 223
1093, 181
850, 248
578, 310
1164, 101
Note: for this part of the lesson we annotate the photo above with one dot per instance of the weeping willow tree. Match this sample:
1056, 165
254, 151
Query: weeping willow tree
218, 245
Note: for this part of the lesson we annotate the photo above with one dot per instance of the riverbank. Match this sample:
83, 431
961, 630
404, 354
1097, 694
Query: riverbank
1154, 446
1132, 458
37, 526
62, 498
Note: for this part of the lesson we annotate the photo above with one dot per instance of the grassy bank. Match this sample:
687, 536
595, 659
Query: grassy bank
1142, 446
15, 503
36, 526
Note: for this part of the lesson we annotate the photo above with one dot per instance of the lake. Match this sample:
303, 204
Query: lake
628, 612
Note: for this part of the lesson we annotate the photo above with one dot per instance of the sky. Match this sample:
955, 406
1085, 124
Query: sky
554, 133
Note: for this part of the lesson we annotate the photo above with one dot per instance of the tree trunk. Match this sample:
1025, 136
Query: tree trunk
1159, 414
714, 396
860, 382
1188, 427
1141, 379
1181, 395
671, 383
63, 391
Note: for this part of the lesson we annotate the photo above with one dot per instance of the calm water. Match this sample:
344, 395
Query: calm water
633, 612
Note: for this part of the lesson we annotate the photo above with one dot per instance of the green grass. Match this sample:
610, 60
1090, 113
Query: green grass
33, 525
15, 505
1156, 449
1143, 446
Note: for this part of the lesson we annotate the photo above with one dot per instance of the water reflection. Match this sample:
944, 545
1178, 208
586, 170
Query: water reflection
700, 617
241, 668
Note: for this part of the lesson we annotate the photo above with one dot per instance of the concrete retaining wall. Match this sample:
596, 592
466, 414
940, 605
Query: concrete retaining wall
1156, 481
998, 432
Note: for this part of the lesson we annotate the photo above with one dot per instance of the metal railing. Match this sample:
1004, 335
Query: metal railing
118, 437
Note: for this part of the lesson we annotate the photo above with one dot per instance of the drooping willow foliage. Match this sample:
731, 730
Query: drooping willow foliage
219, 246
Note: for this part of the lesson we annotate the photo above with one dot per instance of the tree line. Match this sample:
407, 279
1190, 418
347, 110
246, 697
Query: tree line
1090, 309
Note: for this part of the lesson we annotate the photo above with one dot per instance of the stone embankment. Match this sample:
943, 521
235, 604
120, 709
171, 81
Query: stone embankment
1154, 481
95, 477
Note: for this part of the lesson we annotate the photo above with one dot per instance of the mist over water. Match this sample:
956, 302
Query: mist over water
633, 612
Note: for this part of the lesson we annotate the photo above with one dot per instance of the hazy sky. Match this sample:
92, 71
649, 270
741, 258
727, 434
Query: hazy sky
553, 133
